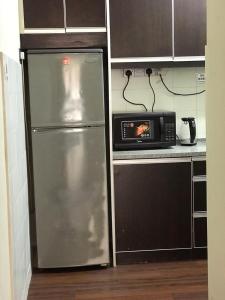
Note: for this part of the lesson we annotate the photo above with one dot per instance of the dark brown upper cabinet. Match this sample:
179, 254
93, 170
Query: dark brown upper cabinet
141, 28
85, 13
189, 27
43, 14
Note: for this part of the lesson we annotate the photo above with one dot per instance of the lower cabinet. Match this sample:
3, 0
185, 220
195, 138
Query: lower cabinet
160, 209
153, 206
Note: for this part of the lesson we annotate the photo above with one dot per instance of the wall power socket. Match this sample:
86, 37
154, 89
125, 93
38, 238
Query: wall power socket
137, 72
200, 77
125, 70
140, 72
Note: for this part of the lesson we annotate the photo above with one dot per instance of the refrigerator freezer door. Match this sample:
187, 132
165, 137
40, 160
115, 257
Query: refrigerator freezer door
66, 89
70, 197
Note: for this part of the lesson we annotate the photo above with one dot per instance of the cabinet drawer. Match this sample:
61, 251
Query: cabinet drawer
199, 196
200, 232
199, 167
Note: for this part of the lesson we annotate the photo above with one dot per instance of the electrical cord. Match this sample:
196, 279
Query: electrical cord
178, 94
178, 138
149, 72
128, 74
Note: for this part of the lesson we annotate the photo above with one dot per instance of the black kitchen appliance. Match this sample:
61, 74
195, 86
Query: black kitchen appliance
192, 130
144, 130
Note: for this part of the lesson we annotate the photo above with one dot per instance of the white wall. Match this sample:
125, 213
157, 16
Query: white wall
17, 177
9, 28
5, 267
216, 148
181, 80
15, 152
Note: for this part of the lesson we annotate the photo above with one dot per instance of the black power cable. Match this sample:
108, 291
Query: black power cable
149, 72
178, 137
178, 94
128, 74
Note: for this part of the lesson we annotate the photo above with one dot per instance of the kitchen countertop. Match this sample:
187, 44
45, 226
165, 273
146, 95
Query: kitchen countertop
176, 151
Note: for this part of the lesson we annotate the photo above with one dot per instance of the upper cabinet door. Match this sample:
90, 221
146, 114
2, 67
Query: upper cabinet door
141, 28
85, 13
43, 14
189, 27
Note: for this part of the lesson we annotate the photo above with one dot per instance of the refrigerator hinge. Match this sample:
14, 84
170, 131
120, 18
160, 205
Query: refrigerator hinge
6, 72
22, 56
104, 265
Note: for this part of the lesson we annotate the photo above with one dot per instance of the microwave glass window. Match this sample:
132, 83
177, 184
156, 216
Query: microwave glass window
141, 129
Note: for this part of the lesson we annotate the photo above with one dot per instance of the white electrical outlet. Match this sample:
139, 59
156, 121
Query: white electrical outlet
200, 77
139, 73
125, 70
156, 71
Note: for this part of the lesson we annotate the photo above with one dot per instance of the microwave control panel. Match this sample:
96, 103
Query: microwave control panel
170, 132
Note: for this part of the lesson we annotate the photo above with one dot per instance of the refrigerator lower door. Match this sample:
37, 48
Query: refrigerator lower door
71, 197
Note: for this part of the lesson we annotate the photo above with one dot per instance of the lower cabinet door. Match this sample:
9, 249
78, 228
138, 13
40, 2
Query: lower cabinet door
153, 206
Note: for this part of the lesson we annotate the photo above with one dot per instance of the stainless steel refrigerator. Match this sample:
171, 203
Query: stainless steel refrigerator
66, 99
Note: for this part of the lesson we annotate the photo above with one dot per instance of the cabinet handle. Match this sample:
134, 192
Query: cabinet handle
199, 158
198, 215
201, 178
151, 161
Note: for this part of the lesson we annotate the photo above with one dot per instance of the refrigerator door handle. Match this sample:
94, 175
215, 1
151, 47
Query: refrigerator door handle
77, 126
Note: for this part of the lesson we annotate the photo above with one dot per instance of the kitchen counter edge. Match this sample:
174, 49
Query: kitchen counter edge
172, 152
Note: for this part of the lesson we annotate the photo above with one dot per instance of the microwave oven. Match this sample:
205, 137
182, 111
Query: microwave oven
145, 130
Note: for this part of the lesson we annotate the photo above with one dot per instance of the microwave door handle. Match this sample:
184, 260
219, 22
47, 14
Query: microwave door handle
162, 128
